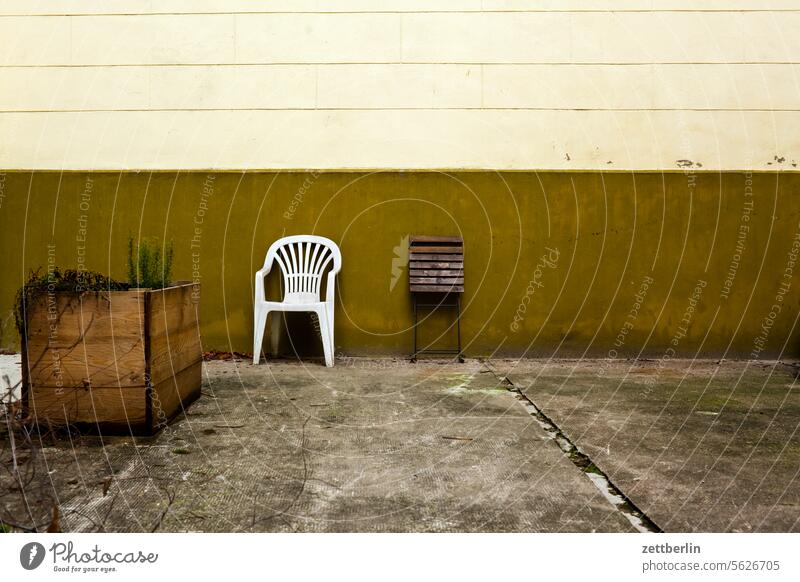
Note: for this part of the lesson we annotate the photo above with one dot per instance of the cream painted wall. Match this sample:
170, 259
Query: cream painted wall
354, 84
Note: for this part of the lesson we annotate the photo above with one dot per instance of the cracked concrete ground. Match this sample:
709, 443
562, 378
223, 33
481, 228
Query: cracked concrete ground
378, 445
698, 446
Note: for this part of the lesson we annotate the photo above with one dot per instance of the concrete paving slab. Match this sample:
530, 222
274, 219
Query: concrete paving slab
698, 446
369, 446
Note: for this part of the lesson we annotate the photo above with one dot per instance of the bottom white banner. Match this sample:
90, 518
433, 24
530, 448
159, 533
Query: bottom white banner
378, 557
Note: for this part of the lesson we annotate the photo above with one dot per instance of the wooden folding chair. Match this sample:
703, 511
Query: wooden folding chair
436, 270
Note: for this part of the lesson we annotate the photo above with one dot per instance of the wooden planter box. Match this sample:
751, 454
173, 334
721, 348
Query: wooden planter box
121, 362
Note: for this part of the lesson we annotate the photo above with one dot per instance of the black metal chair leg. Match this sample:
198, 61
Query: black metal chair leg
414, 355
457, 352
458, 328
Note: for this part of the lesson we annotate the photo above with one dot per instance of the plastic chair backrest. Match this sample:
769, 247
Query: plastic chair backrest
303, 260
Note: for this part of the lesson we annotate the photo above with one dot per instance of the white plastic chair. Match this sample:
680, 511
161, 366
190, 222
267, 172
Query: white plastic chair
303, 260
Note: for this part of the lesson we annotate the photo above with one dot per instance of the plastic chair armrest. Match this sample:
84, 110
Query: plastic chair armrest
260, 274
329, 291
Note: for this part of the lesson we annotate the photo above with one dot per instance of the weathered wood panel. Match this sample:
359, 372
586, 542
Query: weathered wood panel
94, 339
436, 277
99, 358
174, 351
173, 394
173, 332
110, 407
173, 308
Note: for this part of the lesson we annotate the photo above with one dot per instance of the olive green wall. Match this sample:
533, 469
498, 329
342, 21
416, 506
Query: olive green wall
567, 264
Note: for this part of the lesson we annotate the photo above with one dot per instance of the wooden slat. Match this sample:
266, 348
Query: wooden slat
111, 406
435, 265
110, 363
434, 239
455, 249
436, 281
435, 257
90, 312
173, 352
437, 289
435, 273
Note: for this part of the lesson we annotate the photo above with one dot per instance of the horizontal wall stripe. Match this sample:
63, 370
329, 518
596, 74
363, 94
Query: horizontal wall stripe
178, 7
578, 110
601, 37
421, 139
736, 87
610, 230
409, 11
412, 37
326, 63
546, 87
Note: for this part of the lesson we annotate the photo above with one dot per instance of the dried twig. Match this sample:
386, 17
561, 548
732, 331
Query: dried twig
55, 522
160, 520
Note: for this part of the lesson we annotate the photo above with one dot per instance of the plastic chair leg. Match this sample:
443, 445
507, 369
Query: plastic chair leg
325, 332
329, 311
258, 333
275, 333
